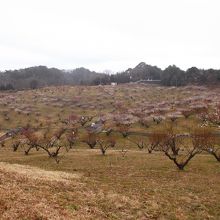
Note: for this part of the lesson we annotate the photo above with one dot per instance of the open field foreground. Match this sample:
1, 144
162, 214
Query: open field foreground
110, 152
138, 186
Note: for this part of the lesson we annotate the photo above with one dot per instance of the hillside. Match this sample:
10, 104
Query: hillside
107, 152
41, 76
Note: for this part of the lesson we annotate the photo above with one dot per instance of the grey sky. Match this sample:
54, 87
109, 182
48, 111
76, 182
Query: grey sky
109, 34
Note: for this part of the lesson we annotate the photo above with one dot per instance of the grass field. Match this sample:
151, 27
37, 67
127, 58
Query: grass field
120, 185
136, 186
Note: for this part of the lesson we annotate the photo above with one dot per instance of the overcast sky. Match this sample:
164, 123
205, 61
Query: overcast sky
109, 34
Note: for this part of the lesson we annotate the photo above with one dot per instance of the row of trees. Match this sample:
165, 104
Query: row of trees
171, 76
181, 148
35, 77
6, 87
177, 146
41, 76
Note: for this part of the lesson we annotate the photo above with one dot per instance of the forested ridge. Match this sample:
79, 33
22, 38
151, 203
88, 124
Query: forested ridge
41, 76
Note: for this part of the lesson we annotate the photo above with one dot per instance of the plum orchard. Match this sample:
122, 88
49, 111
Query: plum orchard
158, 134
177, 122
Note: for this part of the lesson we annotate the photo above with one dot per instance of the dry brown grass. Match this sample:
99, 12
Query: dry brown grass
32, 193
86, 185
37, 173
22, 196
137, 186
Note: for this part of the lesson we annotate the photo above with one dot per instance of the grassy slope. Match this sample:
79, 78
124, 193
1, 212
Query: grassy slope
137, 186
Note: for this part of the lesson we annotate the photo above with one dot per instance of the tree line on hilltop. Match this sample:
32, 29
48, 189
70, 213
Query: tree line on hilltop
41, 76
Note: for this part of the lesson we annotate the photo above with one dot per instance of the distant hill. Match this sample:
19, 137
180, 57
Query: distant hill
174, 76
81, 76
141, 72
144, 72
41, 76
171, 76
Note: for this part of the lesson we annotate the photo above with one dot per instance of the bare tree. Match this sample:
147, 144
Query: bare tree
15, 145
32, 140
123, 128
123, 151
71, 138
171, 143
144, 122
90, 139
156, 140
205, 139
85, 119
105, 143
213, 116
187, 113
51, 144
139, 142
171, 139
157, 119
181, 163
